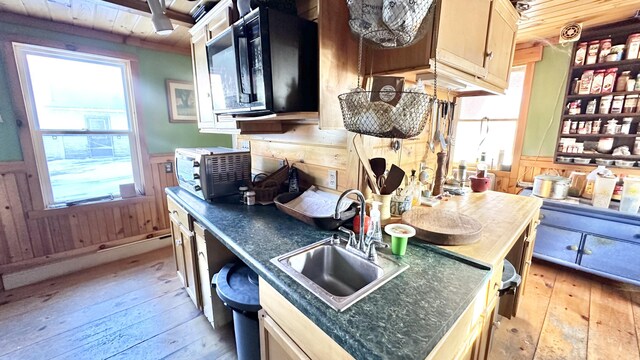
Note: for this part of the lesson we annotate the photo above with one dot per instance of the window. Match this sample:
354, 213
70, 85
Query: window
489, 123
82, 123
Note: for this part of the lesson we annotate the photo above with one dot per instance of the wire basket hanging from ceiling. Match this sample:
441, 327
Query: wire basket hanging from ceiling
405, 119
390, 23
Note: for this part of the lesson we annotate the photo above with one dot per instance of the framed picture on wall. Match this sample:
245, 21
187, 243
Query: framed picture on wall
182, 101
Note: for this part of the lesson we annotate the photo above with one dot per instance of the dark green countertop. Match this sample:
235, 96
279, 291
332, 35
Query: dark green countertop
403, 319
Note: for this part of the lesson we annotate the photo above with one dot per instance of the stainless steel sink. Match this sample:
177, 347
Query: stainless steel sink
337, 276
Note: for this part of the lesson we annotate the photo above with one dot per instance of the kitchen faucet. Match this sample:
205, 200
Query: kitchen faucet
359, 246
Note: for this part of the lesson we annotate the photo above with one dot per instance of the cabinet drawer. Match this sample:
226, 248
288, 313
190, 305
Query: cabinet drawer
591, 225
178, 213
557, 243
611, 256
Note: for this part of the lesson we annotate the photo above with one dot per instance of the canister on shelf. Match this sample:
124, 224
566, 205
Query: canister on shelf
591, 107
581, 128
617, 104
609, 80
616, 53
633, 46
630, 104
585, 82
626, 125
621, 84
566, 127
598, 80
575, 107
575, 86
595, 129
631, 84
574, 127
610, 128
592, 52
581, 54
605, 104
636, 147
605, 48
588, 125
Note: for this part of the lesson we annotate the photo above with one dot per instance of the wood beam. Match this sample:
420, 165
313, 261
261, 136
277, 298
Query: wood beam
142, 8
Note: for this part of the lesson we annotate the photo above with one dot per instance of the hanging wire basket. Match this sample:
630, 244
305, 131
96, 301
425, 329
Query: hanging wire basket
406, 119
390, 24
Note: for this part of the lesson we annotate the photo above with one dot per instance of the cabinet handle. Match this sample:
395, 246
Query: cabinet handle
496, 324
178, 242
587, 252
541, 217
537, 222
490, 55
572, 247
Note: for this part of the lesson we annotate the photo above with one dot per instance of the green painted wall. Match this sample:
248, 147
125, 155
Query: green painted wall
547, 97
155, 67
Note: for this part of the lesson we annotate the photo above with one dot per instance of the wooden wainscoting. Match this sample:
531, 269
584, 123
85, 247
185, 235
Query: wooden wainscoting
30, 236
530, 166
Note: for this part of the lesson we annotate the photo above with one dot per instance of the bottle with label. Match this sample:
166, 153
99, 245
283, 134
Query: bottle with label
374, 232
621, 84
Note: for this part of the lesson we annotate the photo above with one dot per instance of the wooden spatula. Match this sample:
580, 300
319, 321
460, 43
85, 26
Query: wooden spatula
394, 180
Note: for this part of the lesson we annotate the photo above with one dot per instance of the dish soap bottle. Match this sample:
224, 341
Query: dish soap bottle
374, 232
415, 189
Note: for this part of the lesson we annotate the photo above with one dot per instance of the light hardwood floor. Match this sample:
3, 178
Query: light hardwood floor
131, 309
567, 314
136, 309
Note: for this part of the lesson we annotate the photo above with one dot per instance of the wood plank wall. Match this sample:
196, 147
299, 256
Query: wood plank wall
29, 237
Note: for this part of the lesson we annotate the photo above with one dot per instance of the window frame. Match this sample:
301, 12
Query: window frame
21, 50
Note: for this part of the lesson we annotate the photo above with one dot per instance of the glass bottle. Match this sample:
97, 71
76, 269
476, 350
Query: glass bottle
374, 232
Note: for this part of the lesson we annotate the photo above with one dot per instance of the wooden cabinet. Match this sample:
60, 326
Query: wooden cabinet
184, 250
198, 256
211, 257
216, 21
478, 53
275, 344
594, 240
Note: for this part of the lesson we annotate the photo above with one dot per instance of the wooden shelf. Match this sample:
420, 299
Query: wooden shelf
606, 65
586, 96
600, 116
600, 135
599, 156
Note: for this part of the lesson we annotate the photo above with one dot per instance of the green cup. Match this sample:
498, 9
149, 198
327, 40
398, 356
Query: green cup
399, 245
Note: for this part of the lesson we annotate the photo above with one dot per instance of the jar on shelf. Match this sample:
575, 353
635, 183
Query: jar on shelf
595, 128
616, 52
605, 104
630, 104
609, 80
610, 128
581, 54
598, 80
617, 104
633, 47
575, 107
605, 48
574, 127
621, 84
585, 82
591, 107
582, 129
592, 52
566, 127
626, 125
636, 147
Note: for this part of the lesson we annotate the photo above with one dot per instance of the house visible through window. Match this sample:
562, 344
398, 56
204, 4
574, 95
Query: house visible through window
489, 123
81, 120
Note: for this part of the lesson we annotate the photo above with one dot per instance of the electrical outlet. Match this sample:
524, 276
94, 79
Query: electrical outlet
168, 167
281, 163
245, 145
332, 180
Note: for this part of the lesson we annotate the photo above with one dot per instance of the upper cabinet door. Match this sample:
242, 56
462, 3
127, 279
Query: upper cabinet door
206, 118
501, 43
462, 34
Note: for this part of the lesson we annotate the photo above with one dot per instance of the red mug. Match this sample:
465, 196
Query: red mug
480, 184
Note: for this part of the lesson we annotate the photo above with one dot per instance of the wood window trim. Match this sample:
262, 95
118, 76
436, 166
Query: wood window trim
107, 204
24, 129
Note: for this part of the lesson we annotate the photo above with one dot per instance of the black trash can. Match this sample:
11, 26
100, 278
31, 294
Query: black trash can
237, 286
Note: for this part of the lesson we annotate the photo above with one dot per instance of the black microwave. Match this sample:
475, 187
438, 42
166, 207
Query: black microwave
265, 63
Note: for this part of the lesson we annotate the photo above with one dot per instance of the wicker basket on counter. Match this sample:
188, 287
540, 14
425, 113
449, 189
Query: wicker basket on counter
269, 187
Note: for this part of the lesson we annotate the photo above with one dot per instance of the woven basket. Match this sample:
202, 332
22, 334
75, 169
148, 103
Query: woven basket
269, 187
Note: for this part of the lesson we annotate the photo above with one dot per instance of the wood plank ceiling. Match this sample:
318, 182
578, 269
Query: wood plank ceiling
545, 17
99, 15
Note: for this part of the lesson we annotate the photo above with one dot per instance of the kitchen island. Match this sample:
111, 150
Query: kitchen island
410, 317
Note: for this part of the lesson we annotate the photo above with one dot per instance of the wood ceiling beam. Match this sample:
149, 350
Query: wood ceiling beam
142, 8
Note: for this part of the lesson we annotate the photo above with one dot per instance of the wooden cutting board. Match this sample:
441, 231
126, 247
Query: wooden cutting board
443, 227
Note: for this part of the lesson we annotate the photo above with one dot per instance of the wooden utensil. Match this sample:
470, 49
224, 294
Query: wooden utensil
394, 180
443, 227
357, 145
